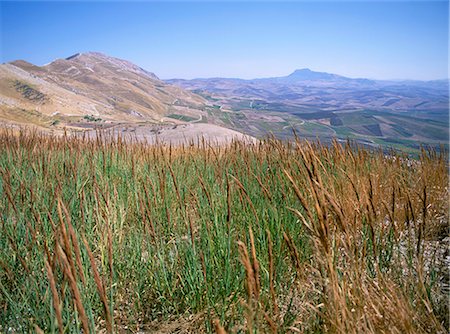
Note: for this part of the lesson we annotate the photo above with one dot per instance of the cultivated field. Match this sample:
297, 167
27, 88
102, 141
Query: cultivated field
101, 235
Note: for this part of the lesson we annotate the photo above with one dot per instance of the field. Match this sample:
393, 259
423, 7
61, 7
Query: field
398, 130
112, 235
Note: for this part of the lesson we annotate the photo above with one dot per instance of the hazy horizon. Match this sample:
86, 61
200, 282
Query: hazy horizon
376, 40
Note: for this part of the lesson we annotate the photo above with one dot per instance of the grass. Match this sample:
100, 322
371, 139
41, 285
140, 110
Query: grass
115, 235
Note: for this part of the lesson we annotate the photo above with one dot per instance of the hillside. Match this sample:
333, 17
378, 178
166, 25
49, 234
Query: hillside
93, 90
117, 87
90, 85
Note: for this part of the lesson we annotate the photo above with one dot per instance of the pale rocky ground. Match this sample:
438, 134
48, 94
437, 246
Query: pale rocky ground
188, 133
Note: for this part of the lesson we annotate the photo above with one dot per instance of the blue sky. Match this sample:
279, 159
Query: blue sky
381, 40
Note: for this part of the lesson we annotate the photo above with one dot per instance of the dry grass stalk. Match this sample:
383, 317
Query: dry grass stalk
73, 287
218, 327
66, 242
38, 330
272, 275
255, 264
272, 324
253, 283
147, 210
295, 258
247, 197
100, 287
55, 296
74, 240
249, 274
175, 184
228, 200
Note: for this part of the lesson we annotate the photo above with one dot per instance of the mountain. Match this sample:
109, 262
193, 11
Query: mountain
92, 90
307, 74
92, 86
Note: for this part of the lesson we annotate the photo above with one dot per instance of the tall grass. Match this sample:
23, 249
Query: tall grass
115, 235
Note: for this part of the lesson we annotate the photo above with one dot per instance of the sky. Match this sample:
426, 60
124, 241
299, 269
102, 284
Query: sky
249, 39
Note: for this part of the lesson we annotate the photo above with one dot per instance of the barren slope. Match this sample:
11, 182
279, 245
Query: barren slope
91, 85
92, 90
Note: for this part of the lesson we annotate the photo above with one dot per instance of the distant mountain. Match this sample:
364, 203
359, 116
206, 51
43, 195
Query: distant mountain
309, 89
307, 74
91, 85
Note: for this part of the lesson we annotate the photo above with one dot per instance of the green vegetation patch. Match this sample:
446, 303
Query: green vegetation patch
181, 117
92, 118
29, 92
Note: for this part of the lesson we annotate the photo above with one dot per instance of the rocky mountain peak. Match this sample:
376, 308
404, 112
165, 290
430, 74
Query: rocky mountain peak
92, 59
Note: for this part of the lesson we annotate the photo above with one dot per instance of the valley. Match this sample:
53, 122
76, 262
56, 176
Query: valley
89, 91
396, 114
